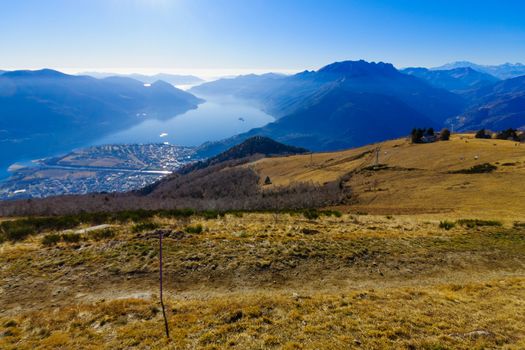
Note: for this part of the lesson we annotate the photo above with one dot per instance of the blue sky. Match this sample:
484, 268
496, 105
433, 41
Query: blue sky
255, 35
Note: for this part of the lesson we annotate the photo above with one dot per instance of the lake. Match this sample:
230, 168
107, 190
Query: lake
213, 120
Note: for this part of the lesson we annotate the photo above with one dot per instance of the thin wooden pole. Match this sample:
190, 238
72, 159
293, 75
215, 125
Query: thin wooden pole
160, 279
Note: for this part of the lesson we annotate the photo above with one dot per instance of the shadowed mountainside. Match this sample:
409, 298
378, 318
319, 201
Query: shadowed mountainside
257, 145
344, 104
497, 107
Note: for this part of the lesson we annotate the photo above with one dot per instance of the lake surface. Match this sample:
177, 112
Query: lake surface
214, 120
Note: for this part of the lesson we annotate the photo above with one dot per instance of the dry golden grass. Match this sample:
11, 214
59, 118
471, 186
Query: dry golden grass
389, 279
263, 281
470, 316
418, 178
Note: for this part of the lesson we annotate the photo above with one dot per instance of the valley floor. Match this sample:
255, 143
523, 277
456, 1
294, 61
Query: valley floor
262, 281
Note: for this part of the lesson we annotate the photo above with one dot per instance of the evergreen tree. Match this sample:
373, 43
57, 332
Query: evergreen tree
509, 134
444, 135
482, 134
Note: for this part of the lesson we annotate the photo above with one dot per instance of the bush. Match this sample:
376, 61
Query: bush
15, 231
417, 134
211, 214
71, 237
99, 235
335, 213
51, 239
476, 169
446, 225
311, 214
519, 224
482, 134
472, 223
194, 229
509, 134
144, 226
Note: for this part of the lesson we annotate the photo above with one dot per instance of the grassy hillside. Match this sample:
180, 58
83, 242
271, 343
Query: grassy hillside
427, 255
417, 177
273, 281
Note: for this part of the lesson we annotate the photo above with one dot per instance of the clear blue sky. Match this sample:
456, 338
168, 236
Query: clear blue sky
164, 35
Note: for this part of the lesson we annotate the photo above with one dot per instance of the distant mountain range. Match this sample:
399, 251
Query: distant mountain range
344, 104
173, 79
46, 111
351, 103
496, 107
502, 71
456, 80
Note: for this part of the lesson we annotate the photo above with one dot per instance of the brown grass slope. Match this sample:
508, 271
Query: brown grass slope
267, 281
417, 177
407, 275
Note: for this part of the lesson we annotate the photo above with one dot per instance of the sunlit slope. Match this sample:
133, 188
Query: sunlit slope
416, 178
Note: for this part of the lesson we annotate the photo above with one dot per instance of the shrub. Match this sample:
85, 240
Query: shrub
446, 225
15, 231
417, 134
472, 223
311, 214
194, 229
144, 226
335, 213
476, 169
519, 224
482, 134
71, 237
99, 235
509, 134
51, 239
211, 214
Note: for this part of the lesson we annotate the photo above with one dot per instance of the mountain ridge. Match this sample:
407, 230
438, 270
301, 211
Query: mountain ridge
502, 71
457, 80
358, 90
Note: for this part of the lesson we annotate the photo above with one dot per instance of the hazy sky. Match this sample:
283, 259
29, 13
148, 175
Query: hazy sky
231, 36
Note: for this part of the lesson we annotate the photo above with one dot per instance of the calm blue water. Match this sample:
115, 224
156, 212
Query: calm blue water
213, 120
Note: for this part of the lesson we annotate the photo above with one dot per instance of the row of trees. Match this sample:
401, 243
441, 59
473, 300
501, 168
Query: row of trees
429, 135
508, 134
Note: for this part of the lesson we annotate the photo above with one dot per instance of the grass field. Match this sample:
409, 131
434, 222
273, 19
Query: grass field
261, 281
428, 255
417, 178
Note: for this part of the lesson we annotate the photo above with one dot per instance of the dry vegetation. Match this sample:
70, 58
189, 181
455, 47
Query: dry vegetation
417, 178
258, 281
428, 254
